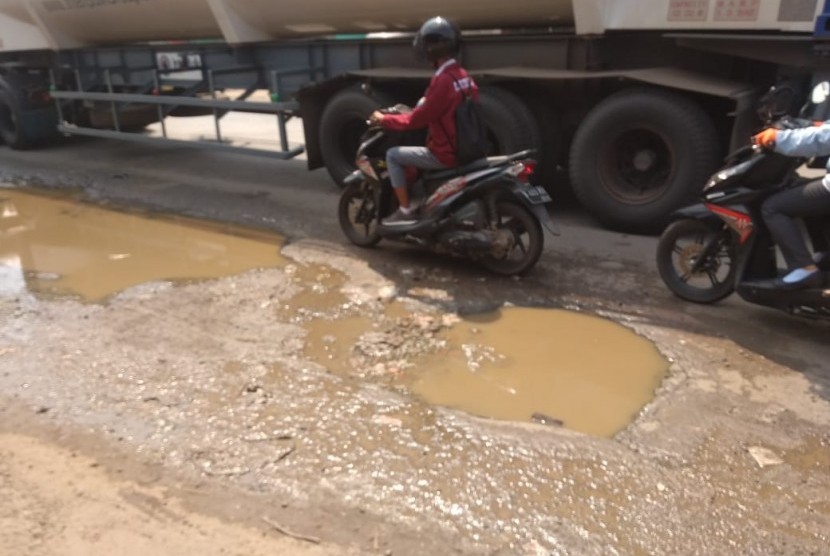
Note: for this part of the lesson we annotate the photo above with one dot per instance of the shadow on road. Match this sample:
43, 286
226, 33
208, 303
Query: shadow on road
578, 281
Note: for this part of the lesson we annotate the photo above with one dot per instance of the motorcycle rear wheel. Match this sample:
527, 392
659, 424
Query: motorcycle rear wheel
527, 235
680, 246
358, 213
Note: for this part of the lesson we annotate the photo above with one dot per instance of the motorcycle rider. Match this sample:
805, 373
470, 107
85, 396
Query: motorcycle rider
439, 41
811, 199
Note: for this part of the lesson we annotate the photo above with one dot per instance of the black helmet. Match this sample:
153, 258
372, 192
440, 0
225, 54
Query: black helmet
438, 38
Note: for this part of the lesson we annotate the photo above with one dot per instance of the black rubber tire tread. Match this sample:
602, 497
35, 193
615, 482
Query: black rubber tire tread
551, 146
665, 266
22, 125
347, 108
509, 121
350, 192
531, 225
683, 123
21, 130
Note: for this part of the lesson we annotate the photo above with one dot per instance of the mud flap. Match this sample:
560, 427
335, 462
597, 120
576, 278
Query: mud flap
547, 222
535, 197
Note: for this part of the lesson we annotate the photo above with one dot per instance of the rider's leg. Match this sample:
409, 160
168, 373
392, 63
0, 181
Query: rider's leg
398, 158
780, 212
402, 193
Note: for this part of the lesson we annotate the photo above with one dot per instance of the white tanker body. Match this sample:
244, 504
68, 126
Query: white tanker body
637, 100
64, 24
82, 23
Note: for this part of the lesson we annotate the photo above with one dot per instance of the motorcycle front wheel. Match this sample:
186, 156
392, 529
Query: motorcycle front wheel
680, 248
527, 239
359, 213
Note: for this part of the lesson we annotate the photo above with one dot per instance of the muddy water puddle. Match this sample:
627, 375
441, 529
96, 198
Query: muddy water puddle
550, 366
546, 365
58, 246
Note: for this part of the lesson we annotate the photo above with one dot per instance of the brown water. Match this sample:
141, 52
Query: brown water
330, 342
60, 246
550, 366
320, 294
587, 373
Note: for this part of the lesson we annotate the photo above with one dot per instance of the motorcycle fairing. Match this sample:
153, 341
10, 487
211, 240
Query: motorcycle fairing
741, 222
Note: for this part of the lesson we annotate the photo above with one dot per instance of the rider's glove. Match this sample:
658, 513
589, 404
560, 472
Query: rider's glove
766, 138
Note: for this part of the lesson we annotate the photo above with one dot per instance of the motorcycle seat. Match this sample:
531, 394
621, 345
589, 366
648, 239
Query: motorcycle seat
480, 164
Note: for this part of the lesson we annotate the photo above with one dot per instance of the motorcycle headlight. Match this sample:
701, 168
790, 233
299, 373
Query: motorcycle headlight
354, 177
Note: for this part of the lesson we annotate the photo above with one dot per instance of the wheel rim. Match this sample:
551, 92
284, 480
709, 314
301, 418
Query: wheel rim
637, 165
362, 210
712, 273
512, 239
514, 252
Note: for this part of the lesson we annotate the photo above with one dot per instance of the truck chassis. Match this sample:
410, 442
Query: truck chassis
631, 123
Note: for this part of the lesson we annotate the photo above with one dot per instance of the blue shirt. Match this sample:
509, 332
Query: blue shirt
808, 142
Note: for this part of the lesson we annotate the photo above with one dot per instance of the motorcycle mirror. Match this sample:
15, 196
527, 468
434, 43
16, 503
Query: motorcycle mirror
777, 102
821, 92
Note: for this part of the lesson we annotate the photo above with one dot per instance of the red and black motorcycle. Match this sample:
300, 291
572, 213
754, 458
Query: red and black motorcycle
721, 245
486, 211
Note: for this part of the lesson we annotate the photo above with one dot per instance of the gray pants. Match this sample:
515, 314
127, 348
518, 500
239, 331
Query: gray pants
779, 212
398, 158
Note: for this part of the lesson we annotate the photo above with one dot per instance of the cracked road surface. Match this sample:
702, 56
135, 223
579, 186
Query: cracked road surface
190, 417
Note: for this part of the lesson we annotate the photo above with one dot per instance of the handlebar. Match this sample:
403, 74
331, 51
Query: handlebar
396, 109
746, 149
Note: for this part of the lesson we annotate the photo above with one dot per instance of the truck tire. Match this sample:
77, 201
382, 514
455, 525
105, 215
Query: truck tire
510, 123
22, 129
639, 155
341, 125
551, 147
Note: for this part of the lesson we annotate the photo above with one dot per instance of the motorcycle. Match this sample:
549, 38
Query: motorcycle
486, 211
721, 245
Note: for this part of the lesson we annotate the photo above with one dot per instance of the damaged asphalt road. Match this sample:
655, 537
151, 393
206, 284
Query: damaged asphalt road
204, 391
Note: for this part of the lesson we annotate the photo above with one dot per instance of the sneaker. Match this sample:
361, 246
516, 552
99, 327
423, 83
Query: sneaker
801, 278
399, 218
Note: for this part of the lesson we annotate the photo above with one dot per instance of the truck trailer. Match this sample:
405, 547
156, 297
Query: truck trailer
629, 104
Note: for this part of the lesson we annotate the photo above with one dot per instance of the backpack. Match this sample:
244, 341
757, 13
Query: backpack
470, 131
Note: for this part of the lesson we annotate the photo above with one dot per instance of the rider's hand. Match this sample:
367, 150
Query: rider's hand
766, 138
376, 118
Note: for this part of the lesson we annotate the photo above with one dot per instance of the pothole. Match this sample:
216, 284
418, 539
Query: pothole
554, 367
57, 246
548, 366
551, 366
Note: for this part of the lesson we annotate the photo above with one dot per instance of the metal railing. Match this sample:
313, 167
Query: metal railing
284, 110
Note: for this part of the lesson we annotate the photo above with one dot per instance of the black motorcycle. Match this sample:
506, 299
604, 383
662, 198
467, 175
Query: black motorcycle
486, 211
722, 245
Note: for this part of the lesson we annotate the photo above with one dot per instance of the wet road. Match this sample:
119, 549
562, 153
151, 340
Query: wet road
285, 197
738, 426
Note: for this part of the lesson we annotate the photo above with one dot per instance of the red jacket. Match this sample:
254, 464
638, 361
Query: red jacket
436, 111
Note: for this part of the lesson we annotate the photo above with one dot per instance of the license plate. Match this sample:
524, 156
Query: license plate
536, 194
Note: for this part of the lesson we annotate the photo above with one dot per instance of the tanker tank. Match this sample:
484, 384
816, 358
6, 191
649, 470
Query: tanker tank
83, 23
